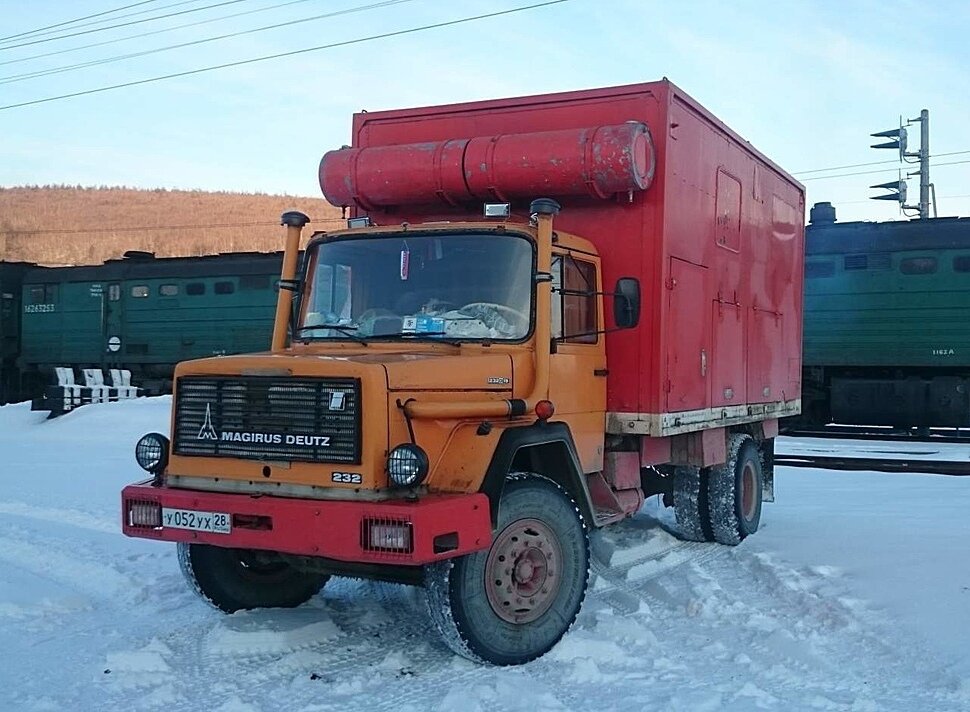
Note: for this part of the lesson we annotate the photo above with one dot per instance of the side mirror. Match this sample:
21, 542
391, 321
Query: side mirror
626, 302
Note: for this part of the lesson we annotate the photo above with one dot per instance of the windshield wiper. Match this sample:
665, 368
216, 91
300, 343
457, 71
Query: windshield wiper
346, 329
430, 336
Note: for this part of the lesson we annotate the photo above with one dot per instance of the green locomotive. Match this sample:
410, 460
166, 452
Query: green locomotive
11, 280
887, 334
142, 314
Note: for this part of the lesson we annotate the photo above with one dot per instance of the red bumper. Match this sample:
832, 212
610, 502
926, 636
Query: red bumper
399, 532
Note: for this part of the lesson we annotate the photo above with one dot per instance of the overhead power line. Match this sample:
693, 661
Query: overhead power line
153, 228
173, 28
867, 173
344, 43
133, 55
867, 200
123, 24
106, 19
75, 20
842, 168
873, 163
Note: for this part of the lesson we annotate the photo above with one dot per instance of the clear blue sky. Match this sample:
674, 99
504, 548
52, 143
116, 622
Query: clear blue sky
805, 82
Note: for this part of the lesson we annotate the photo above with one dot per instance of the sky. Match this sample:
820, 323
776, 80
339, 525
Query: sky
805, 82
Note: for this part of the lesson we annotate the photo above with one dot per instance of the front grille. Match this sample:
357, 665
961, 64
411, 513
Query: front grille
268, 418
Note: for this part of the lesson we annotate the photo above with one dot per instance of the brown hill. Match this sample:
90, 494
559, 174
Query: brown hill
61, 225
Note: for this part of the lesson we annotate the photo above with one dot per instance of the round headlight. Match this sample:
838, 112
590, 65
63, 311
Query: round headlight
151, 452
407, 465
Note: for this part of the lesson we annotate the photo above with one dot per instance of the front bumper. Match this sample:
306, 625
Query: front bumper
439, 526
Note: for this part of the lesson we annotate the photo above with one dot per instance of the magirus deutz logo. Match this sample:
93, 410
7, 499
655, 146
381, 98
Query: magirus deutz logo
208, 432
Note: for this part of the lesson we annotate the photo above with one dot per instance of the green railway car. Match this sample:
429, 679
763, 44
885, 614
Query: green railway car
146, 314
887, 322
11, 278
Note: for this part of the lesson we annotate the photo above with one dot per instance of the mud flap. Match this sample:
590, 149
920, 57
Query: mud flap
767, 450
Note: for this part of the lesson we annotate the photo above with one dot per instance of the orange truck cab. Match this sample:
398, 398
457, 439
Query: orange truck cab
543, 310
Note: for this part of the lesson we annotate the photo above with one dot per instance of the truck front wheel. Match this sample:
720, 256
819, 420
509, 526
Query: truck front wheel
735, 492
236, 579
511, 603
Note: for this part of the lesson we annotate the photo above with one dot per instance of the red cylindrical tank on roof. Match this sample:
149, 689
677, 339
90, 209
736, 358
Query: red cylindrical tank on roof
601, 162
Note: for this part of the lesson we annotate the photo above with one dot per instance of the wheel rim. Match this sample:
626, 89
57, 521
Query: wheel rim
523, 571
749, 486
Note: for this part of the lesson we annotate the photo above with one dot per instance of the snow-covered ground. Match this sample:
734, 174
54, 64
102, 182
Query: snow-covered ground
855, 595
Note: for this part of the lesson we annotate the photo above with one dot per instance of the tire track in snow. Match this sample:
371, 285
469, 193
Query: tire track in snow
666, 601
810, 646
368, 627
69, 517
71, 565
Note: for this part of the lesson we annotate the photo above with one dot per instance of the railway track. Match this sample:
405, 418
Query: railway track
874, 464
934, 435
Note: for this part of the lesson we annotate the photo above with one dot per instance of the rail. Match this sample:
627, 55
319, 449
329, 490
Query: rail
872, 464
934, 435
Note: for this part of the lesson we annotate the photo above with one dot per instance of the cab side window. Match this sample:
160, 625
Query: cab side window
574, 317
43, 294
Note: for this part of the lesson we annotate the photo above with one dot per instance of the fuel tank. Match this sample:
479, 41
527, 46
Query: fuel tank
601, 162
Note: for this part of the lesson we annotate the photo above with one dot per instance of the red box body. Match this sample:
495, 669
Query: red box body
717, 242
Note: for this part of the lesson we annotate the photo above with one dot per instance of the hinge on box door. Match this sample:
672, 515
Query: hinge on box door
667, 386
670, 283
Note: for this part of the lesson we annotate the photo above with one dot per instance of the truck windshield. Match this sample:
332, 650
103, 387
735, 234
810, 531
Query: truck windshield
453, 286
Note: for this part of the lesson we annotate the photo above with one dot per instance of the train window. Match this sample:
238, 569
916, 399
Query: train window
114, 292
856, 262
820, 269
43, 294
254, 281
168, 290
225, 288
139, 291
918, 265
961, 263
195, 288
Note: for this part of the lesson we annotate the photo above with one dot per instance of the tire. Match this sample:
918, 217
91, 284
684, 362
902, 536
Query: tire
735, 492
232, 579
690, 503
482, 611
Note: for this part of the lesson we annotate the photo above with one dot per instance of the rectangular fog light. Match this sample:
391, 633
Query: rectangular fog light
385, 536
144, 514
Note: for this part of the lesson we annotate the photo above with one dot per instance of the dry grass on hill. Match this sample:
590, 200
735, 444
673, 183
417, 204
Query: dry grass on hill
62, 225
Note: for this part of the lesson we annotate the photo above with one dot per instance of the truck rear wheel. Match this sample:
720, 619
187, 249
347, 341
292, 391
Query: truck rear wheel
235, 579
735, 491
690, 503
511, 603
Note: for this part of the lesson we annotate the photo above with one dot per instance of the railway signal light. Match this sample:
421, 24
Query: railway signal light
897, 186
898, 142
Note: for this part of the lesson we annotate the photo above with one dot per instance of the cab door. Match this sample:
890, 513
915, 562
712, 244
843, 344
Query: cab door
577, 379
112, 323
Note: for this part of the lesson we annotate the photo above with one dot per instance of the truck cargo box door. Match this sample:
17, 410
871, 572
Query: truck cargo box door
767, 360
688, 337
727, 360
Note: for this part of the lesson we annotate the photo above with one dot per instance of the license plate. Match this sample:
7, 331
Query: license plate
215, 522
